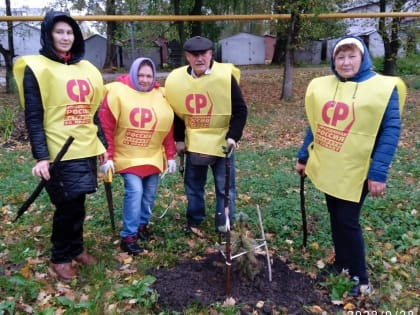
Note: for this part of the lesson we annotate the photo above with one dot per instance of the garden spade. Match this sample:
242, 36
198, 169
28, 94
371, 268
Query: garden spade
107, 178
41, 184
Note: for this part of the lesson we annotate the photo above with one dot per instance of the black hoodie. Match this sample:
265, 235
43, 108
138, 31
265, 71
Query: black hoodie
47, 50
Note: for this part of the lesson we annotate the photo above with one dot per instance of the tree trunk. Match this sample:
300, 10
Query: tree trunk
111, 51
196, 27
287, 88
391, 41
8, 54
280, 48
179, 24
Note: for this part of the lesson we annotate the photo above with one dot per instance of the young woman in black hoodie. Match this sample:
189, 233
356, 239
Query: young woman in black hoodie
61, 94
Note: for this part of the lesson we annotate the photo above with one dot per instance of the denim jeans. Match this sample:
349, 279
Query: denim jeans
139, 199
195, 181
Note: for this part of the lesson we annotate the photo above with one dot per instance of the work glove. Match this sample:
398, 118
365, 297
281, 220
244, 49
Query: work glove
171, 166
109, 165
180, 147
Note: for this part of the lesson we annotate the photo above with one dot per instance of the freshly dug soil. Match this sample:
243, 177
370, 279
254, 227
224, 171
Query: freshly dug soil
203, 283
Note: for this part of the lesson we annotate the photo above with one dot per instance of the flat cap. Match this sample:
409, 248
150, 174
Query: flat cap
198, 43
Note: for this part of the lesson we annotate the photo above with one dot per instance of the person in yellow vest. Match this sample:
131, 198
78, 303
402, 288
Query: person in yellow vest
61, 93
138, 125
354, 128
210, 114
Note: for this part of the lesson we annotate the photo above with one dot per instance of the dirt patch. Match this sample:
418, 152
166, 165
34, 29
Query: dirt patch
203, 282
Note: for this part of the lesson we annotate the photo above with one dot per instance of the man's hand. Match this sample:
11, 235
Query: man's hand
180, 147
104, 168
171, 166
230, 144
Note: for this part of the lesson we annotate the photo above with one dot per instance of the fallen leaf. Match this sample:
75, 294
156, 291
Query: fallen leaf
230, 301
315, 245
43, 297
315, 309
25, 307
35, 261
320, 264
128, 260
191, 243
26, 271
349, 307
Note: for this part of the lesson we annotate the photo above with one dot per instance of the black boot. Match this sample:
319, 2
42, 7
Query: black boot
129, 245
143, 233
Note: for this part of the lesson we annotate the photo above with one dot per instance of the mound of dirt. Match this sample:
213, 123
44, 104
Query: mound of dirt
203, 282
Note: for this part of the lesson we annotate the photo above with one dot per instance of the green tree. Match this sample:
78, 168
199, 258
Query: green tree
389, 28
292, 34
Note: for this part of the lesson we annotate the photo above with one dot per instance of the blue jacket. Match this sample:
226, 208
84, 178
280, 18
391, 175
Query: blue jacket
389, 132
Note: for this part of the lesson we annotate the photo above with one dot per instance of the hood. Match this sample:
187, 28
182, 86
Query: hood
134, 69
47, 50
365, 71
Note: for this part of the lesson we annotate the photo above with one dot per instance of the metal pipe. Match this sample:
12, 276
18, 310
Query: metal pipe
204, 18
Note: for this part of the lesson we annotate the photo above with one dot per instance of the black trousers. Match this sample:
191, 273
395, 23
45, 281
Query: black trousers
347, 235
67, 230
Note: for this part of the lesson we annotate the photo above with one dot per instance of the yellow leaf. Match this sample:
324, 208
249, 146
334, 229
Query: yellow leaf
316, 309
315, 245
26, 271
349, 307
128, 260
389, 246
35, 261
406, 259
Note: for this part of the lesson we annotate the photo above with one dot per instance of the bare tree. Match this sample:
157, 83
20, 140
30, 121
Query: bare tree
111, 49
179, 24
8, 54
287, 88
196, 27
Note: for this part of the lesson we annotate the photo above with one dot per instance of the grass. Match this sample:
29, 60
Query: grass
265, 177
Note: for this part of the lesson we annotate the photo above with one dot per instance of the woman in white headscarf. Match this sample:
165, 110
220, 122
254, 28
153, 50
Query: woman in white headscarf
354, 128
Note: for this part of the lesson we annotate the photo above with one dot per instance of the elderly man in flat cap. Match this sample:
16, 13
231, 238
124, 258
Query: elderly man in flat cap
210, 117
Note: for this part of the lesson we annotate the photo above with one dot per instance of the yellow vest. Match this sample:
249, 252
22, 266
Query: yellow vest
70, 97
204, 104
143, 122
345, 130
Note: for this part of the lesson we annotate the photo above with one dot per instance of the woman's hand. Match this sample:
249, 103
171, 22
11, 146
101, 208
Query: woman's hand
376, 189
300, 168
42, 169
